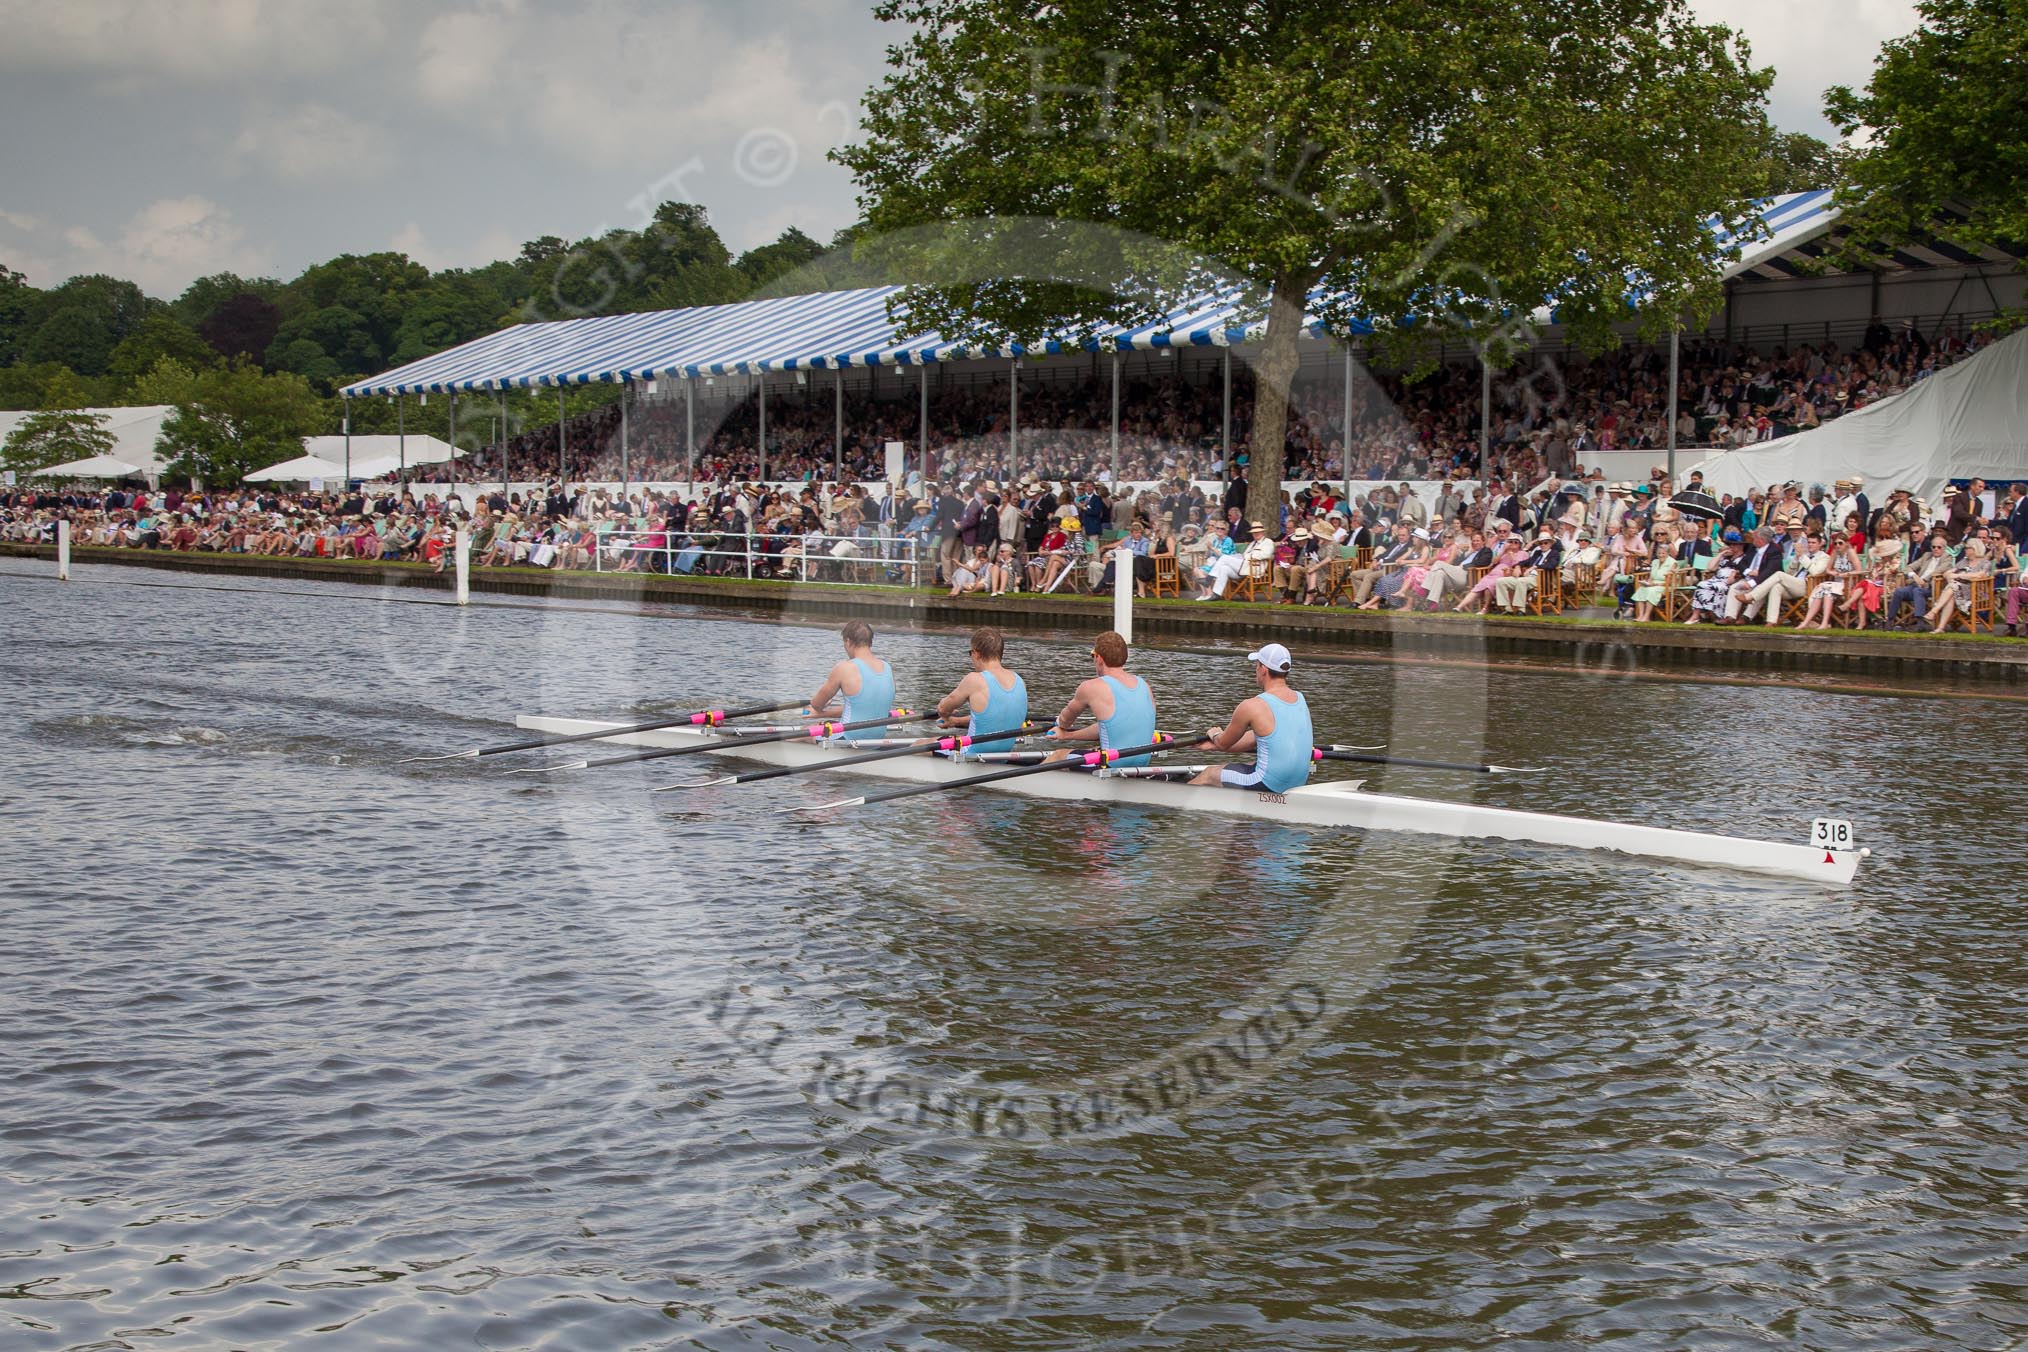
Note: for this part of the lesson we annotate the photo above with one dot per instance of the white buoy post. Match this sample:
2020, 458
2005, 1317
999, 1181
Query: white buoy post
1123, 592
463, 545
63, 551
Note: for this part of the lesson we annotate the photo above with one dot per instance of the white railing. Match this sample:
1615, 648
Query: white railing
860, 559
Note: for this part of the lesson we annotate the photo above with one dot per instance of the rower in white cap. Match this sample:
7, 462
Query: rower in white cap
1274, 725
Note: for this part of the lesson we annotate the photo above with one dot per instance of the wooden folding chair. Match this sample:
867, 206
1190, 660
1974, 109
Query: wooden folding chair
1982, 603
1679, 593
1795, 607
1546, 597
1168, 580
1259, 576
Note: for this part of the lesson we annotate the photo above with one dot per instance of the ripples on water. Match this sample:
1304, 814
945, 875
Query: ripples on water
302, 1046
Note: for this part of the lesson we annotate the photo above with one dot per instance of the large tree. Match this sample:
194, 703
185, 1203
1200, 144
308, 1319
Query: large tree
1944, 121
232, 420
1431, 165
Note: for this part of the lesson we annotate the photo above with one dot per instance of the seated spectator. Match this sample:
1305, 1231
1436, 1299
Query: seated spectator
1955, 589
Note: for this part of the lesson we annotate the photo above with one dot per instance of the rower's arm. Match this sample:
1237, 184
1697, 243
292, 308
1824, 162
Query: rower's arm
1238, 733
1066, 722
958, 704
833, 686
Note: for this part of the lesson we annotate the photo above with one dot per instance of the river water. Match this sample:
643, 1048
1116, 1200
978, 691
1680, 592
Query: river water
300, 1046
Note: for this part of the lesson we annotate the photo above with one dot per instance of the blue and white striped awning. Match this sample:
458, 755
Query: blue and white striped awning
1790, 220
845, 329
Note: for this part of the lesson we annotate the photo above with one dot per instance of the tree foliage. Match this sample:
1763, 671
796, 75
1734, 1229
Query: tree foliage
55, 437
242, 325
231, 420
1795, 161
359, 314
1431, 168
1944, 121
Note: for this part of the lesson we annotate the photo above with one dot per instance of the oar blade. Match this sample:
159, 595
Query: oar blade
551, 769
695, 784
830, 807
472, 754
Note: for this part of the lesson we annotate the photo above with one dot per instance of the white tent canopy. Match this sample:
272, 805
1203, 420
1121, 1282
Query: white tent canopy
1967, 420
91, 467
302, 469
133, 429
414, 449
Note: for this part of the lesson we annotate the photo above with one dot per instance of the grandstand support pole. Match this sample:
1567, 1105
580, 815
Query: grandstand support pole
922, 426
838, 423
690, 432
1116, 420
1013, 416
562, 441
1675, 358
505, 487
1485, 411
348, 440
761, 445
626, 398
1225, 418
62, 550
401, 432
1345, 433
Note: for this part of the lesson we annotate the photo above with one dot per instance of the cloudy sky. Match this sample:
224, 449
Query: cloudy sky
161, 140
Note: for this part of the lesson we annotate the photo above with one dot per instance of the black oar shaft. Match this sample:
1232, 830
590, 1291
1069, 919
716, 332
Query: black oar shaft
953, 743
815, 732
1089, 760
1323, 753
698, 719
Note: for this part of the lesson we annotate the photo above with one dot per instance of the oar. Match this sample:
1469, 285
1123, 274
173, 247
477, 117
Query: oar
958, 743
699, 719
1341, 753
1335, 746
816, 732
1090, 760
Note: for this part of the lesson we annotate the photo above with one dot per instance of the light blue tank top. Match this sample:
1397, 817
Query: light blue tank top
1133, 720
1284, 754
874, 700
1005, 710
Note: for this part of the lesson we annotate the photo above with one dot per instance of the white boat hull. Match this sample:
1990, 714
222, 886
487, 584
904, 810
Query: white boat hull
1338, 803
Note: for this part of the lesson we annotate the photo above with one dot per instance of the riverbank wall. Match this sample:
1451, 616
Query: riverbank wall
1593, 640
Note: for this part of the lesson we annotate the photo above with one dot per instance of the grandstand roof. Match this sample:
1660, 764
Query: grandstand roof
842, 329
1806, 231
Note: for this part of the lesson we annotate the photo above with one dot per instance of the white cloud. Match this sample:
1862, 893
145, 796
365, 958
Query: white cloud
490, 247
637, 83
164, 247
1812, 44
200, 40
314, 141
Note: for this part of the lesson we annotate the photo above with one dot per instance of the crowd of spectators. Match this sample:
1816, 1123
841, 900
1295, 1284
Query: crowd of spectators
1549, 415
1814, 557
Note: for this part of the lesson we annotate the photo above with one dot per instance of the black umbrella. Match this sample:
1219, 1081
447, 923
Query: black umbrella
1698, 504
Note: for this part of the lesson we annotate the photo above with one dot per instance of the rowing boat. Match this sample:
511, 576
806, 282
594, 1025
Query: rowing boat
1833, 861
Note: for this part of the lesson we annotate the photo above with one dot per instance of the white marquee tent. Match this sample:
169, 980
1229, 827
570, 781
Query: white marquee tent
303, 469
133, 431
91, 467
1969, 419
414, 449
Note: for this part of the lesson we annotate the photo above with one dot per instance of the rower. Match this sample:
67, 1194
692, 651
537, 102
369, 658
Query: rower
858, 688
1274, 725
1122, 709
994, 698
